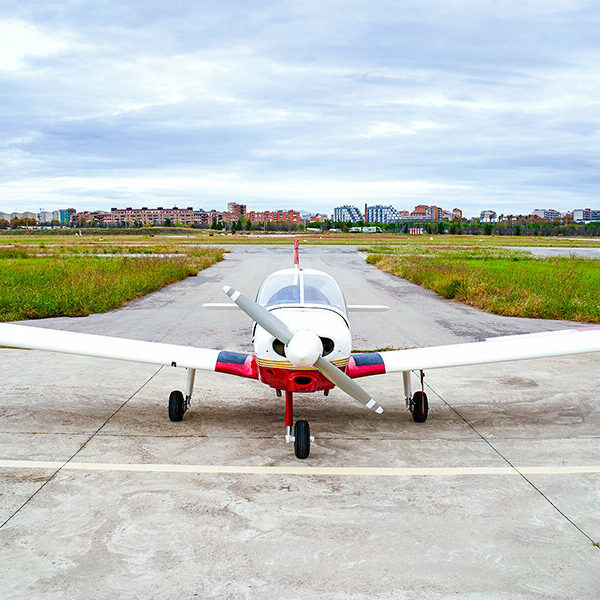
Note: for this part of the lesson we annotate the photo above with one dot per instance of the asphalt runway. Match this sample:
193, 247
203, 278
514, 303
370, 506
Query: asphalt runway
560, 252
496, 496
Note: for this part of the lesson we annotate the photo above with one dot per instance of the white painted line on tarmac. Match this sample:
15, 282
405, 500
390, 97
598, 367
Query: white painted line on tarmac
291, 470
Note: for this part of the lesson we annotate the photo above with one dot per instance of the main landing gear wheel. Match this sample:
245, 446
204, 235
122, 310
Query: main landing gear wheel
302, 439
419, 407
176, 406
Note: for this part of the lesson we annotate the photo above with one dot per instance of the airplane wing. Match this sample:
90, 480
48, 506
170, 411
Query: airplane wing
86, 344
498, 349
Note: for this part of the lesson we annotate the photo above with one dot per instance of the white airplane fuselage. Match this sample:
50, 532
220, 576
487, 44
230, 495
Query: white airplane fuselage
328, 322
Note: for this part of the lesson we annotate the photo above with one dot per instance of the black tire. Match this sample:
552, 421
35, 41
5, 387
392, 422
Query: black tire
176, 406
302, 439
420, 407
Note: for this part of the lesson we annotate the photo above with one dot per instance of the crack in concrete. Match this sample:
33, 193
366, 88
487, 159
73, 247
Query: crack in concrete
90, 438
512, 466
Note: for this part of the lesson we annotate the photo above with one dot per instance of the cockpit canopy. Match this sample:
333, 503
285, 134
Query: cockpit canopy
302, 287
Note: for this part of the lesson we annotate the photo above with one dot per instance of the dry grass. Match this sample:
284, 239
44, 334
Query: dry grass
504, 282
180, 239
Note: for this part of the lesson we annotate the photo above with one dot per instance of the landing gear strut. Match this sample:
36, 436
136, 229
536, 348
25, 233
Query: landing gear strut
301, 437
178, 404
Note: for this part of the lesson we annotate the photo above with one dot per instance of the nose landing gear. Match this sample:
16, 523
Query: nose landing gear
301, 437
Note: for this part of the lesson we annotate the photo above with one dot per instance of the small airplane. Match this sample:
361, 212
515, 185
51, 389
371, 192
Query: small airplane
302, 343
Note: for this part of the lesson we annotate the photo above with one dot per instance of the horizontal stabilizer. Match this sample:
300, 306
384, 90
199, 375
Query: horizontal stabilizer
367, 307
221, 306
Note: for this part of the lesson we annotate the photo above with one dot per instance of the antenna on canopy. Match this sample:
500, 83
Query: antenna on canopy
296, 259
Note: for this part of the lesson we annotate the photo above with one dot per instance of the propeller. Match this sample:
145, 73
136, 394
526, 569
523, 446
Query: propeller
303, 348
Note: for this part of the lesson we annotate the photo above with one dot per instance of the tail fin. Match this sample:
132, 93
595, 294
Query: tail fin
296, 258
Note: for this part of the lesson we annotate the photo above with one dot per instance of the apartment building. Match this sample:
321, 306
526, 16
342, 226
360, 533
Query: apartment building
347, 213
548, 214
151, 216
384, 214
236, 210
586, 214
271, 216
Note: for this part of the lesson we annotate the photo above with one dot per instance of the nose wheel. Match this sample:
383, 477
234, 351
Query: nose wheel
301, 437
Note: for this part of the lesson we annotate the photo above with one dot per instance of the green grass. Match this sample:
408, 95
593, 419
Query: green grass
502, 281
33, 287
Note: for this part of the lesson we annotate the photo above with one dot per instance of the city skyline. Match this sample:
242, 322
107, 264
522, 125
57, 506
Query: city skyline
344, 213
299, 105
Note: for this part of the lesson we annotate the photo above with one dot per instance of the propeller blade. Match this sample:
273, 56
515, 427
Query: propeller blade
346, 384
261, 315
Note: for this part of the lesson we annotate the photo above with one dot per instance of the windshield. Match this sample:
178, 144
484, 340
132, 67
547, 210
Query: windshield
322, 289
280, 288
301, 288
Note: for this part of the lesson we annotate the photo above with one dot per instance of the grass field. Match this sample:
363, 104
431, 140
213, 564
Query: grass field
37, 270
500, 281
33, 286
182, 240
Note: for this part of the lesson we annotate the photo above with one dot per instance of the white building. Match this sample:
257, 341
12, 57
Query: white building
347, 213
45, 216
586, 214
548, 214
383, 214
488, 216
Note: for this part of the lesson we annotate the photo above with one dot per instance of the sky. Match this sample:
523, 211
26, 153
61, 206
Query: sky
305, 105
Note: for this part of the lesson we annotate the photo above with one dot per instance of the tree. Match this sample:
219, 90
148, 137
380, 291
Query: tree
26, 222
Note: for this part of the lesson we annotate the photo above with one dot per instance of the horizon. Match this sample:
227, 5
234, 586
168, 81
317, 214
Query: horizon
303, 106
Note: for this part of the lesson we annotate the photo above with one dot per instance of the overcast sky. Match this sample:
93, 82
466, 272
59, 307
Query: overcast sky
307, 105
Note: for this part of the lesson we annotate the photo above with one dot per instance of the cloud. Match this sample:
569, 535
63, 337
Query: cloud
20, 41
412, 128
476, 104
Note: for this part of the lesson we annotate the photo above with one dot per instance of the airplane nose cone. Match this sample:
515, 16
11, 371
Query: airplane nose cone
304, 348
